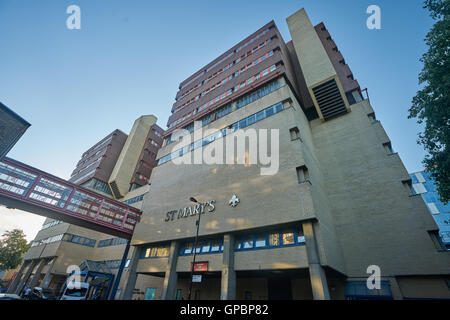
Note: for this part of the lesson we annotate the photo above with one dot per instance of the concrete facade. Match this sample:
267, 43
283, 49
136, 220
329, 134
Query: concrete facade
338, 192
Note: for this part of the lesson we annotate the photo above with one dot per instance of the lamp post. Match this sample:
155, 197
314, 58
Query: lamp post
192, 199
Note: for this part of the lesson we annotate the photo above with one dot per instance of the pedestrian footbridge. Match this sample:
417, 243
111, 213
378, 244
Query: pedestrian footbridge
29, 189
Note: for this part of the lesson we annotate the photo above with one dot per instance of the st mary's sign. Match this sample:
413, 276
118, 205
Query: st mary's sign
193, 210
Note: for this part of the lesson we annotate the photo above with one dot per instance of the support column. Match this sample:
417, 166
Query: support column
119, 273
25, 277
228, 283
13, 286
170, 280
48, 275
317, 275
132, 275
37, 274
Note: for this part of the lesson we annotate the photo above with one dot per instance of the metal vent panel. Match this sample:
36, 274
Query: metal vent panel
329, 99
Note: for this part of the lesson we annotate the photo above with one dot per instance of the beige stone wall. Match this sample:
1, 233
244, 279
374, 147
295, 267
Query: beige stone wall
271, 259
423, 287
376, 219
265, 200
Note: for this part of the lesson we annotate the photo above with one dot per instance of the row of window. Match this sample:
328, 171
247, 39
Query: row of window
156, 252
241, 102
267, 240
98, 185
225, 80
66, 237
115, 264
264, 240
221, 133
225, 94
134, 200
79, 240
50, 224
203, 246
226, 57
111, 242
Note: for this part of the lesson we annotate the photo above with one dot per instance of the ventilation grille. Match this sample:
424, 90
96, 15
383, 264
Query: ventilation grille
115, 190
329, 99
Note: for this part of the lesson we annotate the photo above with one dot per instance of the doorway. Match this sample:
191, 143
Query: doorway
150, 294
279, 288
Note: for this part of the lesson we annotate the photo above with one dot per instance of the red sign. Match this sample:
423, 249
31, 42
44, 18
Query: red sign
201, 266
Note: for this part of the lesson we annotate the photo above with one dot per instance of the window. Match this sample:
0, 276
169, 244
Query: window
238, 244
248, 242
260, 241
302, 174
388, 148
295, 133
300, 236
188, 248
206, 247
215, 245
288, 237
274, 239
437, 241
408, 186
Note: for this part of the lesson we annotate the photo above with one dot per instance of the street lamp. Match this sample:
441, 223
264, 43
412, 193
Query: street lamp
192, 199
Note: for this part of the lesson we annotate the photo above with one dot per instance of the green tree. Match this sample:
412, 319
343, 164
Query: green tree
431, 104
13, 246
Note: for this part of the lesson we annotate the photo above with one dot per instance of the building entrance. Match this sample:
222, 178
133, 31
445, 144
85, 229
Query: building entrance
279, 288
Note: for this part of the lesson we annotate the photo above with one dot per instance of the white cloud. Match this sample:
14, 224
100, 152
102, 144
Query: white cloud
16, 219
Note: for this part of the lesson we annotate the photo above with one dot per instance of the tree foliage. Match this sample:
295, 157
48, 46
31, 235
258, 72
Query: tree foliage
13, 246
431, 103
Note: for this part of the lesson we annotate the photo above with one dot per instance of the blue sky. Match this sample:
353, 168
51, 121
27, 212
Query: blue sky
76, 86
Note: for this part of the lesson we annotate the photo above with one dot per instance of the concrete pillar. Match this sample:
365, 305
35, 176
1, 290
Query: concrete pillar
228, 283
317, 275
132, 275
170, 280
25, 277
38, 272
13, 286
48, 274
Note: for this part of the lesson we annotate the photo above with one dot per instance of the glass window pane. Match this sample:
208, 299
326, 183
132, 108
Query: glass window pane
260, 115
215, 246
153, 252
269, 112
206, 247
251, 119
188, 248
238, 244
274, 239
242, 123
248, 242
288, 237
260, 241
300, 236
